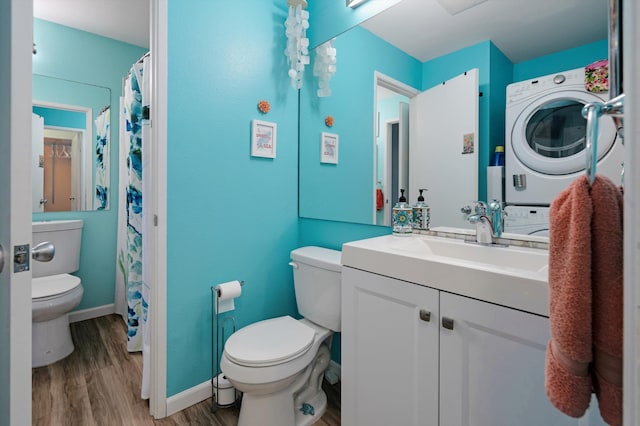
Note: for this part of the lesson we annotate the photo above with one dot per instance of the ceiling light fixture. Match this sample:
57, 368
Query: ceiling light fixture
354, 3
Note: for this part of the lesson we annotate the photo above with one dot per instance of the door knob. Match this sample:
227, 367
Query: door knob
43, 252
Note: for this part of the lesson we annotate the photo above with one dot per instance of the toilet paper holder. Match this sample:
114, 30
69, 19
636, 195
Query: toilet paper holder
218, 337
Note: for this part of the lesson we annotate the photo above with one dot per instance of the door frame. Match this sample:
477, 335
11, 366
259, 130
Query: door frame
390, 83
158, 240
16, 45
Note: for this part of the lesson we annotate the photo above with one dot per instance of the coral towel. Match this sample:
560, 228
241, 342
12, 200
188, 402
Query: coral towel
585, 299
379, 199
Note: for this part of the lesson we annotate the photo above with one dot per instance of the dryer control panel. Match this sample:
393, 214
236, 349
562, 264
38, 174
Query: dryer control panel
528, 220
522, 89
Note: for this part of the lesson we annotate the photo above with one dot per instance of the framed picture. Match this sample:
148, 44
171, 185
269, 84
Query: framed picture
263, 139
329, 148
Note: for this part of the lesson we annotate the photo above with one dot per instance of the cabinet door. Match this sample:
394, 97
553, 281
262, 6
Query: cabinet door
389, 351
492, 366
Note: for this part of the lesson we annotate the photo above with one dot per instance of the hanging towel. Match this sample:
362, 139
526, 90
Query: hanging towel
585, 299
567, 378
379, 199
607, 300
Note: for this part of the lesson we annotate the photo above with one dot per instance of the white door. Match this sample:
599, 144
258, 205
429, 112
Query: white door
443, 146
389, 351
16, 29
37, 166
492, 367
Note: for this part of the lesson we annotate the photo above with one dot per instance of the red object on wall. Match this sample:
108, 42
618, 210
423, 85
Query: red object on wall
379, 199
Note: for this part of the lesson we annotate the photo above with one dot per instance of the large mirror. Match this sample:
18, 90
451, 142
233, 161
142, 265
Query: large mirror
419, 44
71, 145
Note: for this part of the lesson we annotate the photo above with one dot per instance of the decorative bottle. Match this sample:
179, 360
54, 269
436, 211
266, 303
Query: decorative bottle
421, 213
402, 216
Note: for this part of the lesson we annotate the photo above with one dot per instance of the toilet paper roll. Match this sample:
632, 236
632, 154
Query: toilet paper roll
494, 183
225, 392
226, 293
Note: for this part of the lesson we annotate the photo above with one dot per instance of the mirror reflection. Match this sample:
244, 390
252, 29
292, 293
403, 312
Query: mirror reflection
367, 116
71, 144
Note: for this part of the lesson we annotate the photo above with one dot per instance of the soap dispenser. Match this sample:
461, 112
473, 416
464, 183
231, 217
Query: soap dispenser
421, 213
402, 216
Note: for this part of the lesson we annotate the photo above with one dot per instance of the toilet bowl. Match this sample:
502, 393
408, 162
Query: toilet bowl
54, 292
279, 363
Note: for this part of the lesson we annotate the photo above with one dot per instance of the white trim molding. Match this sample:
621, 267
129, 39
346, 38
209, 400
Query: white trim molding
159, 59
90, 313
188, 397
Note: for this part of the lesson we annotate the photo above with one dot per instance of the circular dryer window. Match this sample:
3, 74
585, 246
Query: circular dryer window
557, 129
549, 134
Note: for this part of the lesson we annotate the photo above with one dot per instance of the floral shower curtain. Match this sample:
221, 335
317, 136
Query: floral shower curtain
132, 282
103, 125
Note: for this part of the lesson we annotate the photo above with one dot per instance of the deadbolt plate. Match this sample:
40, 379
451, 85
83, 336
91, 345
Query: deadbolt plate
21, 261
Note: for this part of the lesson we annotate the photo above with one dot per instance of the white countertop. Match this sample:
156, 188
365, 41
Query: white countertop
515, 277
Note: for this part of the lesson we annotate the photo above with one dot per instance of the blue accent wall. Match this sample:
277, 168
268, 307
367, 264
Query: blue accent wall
561, 61
230, 216
344, 191
61, 118
78, 56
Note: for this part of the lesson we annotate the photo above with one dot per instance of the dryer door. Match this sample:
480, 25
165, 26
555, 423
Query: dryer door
548, 136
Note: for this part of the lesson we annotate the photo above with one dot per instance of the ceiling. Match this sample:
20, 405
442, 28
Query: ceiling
521, 29
123, 20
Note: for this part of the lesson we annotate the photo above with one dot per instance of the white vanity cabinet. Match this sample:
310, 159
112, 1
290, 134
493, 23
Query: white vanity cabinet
389, 351
492, 366
468, 362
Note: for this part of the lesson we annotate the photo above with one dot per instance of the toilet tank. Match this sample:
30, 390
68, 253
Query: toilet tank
65, 235
317, 280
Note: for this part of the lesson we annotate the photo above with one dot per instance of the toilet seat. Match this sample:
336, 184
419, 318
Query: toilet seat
44, 288
270, 342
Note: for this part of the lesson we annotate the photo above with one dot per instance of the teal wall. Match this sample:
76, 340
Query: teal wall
61, 118
70, 54
331, 191
329, 18
229, 215
561, 61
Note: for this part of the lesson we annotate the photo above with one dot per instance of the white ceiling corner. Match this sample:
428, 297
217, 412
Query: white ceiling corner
122, 20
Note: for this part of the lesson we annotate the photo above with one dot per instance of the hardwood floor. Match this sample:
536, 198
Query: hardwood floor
99, 384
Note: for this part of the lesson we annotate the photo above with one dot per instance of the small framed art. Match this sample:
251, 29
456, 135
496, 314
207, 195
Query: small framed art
263, 139
329, 148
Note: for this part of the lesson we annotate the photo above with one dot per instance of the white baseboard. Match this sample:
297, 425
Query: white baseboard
188, 397
85, 314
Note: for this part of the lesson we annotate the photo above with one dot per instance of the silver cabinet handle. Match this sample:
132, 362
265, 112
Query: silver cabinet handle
1, 258
447, 323
43, 252
425, 315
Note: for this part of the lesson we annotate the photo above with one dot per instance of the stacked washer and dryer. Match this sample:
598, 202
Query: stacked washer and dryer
545, 143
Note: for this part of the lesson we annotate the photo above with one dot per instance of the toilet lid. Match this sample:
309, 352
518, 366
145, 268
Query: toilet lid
53, 285
269, 342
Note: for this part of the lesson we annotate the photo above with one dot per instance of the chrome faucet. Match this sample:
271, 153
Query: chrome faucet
489, 220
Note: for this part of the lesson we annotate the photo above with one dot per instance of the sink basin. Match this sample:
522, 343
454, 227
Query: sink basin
510, 257
511, 276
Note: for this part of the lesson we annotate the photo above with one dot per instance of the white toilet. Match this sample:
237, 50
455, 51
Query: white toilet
279, 363
54, 292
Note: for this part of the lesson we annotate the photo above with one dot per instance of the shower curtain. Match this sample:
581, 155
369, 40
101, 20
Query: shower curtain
103, 124
132, 283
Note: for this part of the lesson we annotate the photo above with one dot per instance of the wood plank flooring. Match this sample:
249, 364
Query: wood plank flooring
99, 384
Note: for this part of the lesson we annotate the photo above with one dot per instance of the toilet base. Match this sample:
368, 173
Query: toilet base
283, 408
51, 341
